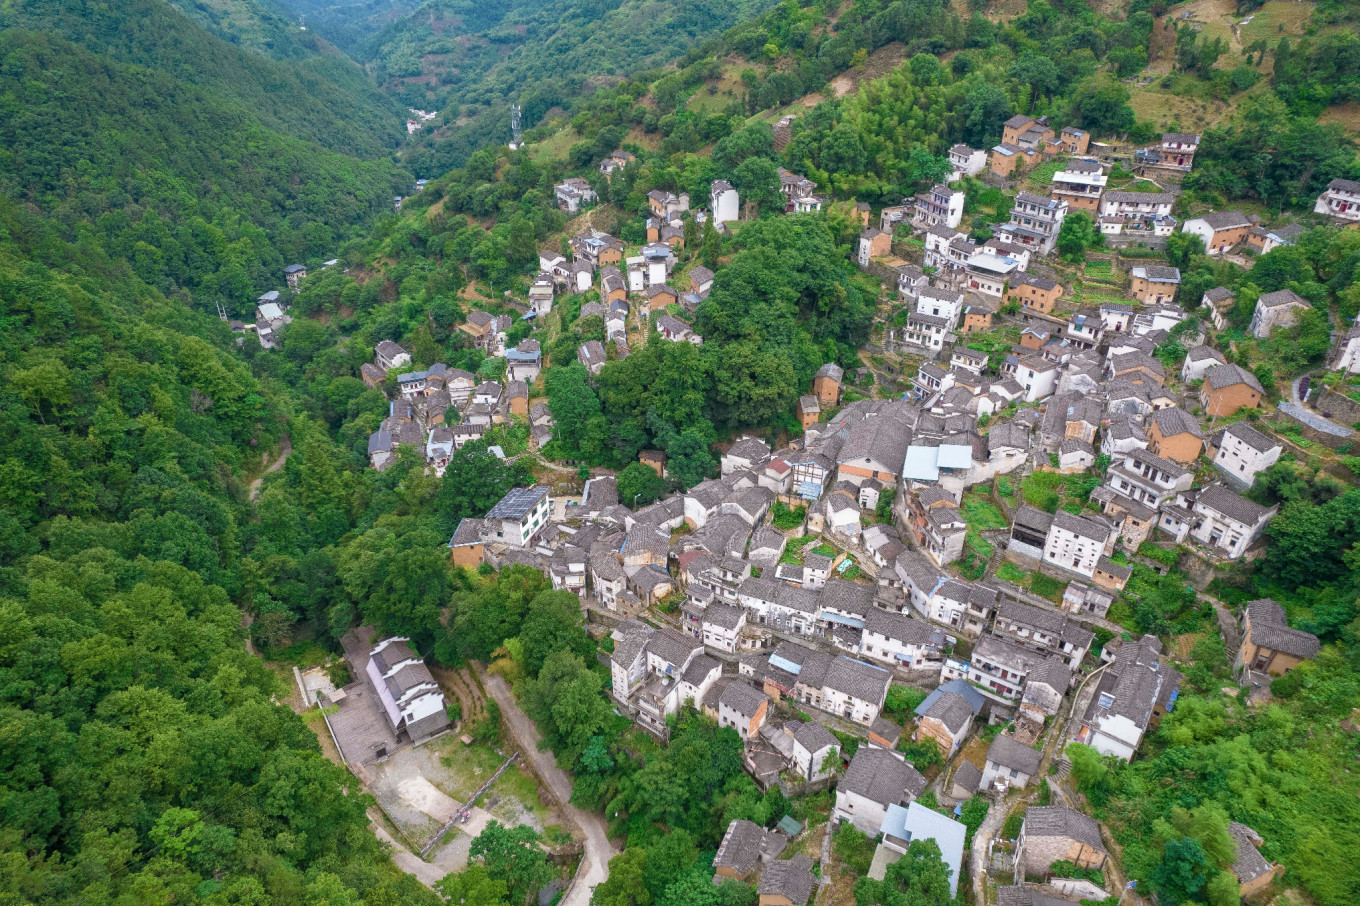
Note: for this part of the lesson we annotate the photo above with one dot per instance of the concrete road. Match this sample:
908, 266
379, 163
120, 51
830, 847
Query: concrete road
594, 867
426, 872
996, 816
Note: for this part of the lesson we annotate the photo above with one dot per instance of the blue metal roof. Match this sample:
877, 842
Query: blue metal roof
832, 617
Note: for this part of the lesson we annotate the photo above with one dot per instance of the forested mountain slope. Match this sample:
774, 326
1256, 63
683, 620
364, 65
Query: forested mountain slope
205, 167
472, 60
261, 26
141, 757
322, 98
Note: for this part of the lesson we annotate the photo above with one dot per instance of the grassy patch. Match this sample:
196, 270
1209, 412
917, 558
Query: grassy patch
793, 551
1042, 490
1047, 586
981, 514
1012, 573
787, 518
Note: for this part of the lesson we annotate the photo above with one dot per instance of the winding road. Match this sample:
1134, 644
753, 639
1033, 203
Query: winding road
594, 867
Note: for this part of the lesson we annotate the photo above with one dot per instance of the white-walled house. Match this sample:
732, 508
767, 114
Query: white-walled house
1348, 352
1228, 521
407, 692
1341, 199
1077, 543
724, 202
1038, 376
1242, 452
1135, 691
876, 779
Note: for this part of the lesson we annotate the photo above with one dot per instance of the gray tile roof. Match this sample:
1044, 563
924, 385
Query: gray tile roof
673, 647
1175, 421
743, 698
882, 777
813, 737
1225, 220
967, 776
858, 680
1117, 197
1249, 864
1250, 436
1082, 526
1006, 752
699, 669
899, 626
1221, 376
1024, 896
952, 710
1221, 500
789, 878
1270, 629
724, 615
1157, 273
1061, 821
743, 845
850, 597
1138, 680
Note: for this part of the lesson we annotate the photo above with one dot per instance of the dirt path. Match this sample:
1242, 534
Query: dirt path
285, 448
594, 869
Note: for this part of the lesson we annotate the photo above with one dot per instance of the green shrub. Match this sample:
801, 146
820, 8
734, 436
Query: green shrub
853, 848
1163, 555
787, 518
1014, 821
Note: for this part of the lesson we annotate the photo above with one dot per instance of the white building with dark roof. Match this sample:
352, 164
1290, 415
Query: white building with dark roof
410, 698
1278, 309
875, 780
1198, 361
1241, 452
1341, 200
519, 516
1077, 543
1137, 689
1226, 521
1010, 763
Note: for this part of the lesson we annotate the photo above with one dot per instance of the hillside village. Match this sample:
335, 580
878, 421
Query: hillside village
676, 453
911, 540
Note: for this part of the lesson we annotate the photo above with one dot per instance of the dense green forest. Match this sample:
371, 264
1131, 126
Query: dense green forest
179, 154
262, 26
323, 98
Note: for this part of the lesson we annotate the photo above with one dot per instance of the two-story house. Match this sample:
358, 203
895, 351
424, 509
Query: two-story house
1269, 645
1080, 184
1221, 231
1341, 199
1242, 452
1077, 543
1227, 521
876, 779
